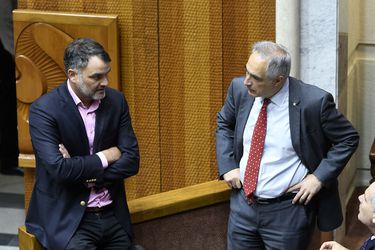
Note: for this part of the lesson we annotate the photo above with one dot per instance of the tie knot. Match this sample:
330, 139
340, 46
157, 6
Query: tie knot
266, 101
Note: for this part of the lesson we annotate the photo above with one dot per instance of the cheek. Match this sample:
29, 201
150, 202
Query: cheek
365, 215
90, 84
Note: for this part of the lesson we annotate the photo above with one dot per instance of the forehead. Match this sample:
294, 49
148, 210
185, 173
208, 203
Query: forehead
257, 64
96, 64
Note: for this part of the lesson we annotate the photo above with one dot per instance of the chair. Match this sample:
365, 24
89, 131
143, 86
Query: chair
27, 241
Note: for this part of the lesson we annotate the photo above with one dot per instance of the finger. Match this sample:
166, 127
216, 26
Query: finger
304, 201
61, 150
237, 184
305, 198
309, 198
297, 197
293, 188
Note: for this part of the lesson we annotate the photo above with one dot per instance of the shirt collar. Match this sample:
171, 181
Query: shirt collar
279, 97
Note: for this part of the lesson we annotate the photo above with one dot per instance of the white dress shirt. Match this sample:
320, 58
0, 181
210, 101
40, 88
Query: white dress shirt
280, 167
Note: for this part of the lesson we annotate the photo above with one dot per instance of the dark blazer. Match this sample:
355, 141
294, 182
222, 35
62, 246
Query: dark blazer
60, 194
322, 137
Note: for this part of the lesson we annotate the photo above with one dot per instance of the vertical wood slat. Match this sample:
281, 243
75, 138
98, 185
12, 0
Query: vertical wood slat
190, 43
243, 24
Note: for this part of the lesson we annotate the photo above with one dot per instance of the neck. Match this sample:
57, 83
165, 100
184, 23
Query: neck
85, 102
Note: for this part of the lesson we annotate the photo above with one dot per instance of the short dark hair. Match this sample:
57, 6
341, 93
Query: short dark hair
78, 53
279, 58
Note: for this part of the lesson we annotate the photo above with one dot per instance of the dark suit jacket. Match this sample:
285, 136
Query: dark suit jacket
321, 136
60, 194
368, 245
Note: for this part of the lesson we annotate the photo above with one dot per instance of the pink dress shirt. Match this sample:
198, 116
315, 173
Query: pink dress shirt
98, 198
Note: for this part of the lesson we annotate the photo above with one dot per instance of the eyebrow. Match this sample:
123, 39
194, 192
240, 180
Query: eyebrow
258, 78
99, 74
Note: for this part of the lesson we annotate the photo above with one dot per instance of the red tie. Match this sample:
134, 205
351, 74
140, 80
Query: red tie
256, 151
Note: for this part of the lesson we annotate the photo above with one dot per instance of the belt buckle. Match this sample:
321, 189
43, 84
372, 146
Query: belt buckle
262, 201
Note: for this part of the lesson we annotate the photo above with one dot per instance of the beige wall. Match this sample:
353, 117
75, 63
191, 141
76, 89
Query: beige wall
356, 90
361, 75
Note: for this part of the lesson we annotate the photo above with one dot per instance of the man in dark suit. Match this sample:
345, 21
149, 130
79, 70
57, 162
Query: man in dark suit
366, 215
284, 175
85, 147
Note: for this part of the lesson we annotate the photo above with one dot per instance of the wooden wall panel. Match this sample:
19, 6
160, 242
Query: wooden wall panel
137, 21
39, 45
176, 61
243, 24
190, 90
140, 79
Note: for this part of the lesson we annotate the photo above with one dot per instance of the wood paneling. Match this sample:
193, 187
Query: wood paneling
190, 90
244, 23
40, 39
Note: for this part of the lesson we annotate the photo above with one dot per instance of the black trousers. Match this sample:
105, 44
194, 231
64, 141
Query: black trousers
100, 231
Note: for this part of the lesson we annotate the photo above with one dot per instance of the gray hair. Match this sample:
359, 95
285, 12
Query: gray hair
78, 53
279, 58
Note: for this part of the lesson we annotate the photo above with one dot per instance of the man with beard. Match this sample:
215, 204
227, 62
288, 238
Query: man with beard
85, 147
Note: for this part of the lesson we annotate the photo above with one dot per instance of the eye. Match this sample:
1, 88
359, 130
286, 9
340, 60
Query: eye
257, 78
96, 76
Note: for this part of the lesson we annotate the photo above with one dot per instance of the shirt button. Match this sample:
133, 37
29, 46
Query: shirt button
82, 203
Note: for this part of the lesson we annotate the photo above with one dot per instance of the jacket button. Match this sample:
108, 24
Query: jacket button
82, 203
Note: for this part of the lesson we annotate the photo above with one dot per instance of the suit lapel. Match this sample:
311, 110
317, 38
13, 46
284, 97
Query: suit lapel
70, 111
99, 123
243, 115
295, 115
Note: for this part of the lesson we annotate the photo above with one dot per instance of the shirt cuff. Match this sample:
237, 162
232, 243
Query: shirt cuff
103, 159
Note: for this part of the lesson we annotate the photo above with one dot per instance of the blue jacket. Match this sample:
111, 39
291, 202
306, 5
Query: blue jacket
60, 194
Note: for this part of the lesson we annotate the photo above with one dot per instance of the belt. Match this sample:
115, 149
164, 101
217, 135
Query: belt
98, 209
265, 201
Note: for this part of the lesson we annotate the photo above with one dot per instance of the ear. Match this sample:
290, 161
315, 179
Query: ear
279, 80
73, 75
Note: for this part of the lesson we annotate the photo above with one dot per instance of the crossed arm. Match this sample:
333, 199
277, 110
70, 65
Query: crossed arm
111, 154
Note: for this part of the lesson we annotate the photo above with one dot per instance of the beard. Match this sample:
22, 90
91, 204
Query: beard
90, 94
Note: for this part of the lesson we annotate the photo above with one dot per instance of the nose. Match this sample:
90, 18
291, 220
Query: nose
105, 81
247, 80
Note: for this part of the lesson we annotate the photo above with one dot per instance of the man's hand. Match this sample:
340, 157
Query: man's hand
328, 245
307, 188
232, 178
64, 151
112, 154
